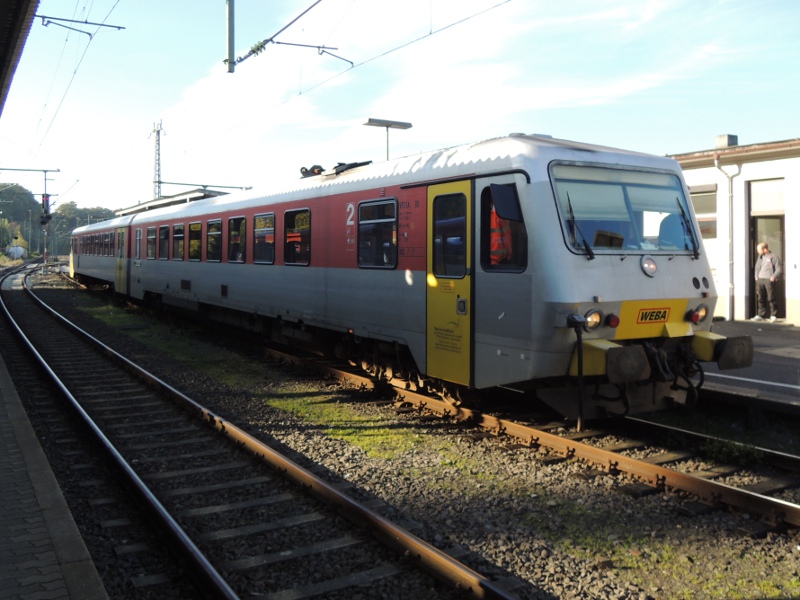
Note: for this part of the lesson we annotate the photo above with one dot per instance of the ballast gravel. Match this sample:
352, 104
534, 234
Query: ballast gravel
538, 527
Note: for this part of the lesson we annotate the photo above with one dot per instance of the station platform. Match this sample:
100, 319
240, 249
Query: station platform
774, 376
42, 554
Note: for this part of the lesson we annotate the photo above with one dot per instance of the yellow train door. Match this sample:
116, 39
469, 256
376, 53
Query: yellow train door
449, 282
121, 255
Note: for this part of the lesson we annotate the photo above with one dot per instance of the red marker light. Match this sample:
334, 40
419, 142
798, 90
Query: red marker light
692, 316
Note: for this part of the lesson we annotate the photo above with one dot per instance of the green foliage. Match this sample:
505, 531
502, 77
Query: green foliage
20, 218
18, 209
342, 421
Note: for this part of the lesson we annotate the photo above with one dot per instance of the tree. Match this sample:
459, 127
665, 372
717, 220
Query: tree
18, 208
68, 217
20, 216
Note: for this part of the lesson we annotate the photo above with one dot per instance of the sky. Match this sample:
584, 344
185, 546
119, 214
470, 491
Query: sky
657, 76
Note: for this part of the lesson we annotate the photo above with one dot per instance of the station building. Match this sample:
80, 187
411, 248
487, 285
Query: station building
744, 195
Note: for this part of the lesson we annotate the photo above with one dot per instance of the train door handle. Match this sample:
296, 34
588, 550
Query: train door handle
461, 306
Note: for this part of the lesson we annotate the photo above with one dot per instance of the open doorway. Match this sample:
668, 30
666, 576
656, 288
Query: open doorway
769, 229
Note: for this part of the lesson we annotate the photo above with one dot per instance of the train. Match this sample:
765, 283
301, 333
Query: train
570, 273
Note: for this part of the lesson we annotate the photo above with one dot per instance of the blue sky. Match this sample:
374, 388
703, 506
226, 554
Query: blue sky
659, 76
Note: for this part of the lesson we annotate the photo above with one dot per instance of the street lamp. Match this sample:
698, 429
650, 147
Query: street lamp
389, 125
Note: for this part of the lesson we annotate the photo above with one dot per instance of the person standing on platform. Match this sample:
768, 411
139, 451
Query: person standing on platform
767, 272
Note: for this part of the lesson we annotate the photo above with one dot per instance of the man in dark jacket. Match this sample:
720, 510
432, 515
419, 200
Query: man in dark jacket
767, 272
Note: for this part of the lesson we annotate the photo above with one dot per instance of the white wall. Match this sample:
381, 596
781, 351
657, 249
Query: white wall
719, 249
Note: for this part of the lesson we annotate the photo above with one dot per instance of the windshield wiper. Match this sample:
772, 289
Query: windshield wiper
688, 229
573, 227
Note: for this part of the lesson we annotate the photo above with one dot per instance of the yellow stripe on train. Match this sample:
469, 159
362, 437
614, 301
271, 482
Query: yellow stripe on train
653, 318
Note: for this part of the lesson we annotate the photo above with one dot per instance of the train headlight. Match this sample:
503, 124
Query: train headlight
649, 266
593, 319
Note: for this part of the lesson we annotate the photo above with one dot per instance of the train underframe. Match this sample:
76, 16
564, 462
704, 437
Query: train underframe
674, 373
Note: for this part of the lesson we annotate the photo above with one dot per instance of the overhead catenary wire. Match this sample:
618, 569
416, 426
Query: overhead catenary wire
75, 72
432, 32
260, 46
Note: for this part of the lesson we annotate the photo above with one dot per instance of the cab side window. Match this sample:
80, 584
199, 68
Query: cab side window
504, 239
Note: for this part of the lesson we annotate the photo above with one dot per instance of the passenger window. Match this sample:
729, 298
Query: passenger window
163, 242
177, 242
151, 243
236, 239
138, 251
195, 241
214, 241
264, 239
297, 237
504, 240
450, 235
377, 234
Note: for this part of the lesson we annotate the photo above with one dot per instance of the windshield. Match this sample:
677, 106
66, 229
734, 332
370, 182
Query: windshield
604, 209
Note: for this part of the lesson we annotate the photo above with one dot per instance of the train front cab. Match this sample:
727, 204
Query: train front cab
643, 350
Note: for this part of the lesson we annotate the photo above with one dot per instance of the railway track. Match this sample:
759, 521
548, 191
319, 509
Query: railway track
615, 449
245, 520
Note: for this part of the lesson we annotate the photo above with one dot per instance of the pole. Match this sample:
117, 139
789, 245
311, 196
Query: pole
157, 166
577, 323
231, 49
388, 125
731, 271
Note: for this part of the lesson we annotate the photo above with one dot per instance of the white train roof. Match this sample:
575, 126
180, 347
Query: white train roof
516, 151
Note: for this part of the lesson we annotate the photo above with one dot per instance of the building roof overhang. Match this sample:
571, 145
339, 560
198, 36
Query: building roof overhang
16, 18
737, 155
182, 198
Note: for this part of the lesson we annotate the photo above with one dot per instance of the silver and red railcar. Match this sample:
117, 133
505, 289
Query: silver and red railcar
525, 262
